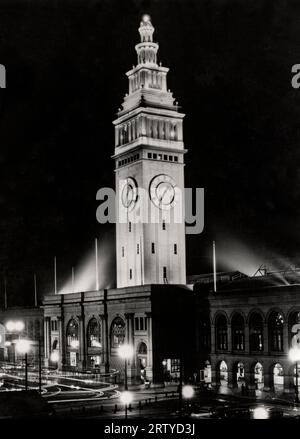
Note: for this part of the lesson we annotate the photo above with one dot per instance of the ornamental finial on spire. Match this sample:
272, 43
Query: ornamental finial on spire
146, 29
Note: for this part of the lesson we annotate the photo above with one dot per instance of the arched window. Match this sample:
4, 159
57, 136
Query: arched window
93, 334
72, 334
238, 332
256, 329
221, 333
142, 349
294, 327
276, 332
117, 332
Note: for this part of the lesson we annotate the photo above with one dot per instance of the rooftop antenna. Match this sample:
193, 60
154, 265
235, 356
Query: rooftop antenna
214, 267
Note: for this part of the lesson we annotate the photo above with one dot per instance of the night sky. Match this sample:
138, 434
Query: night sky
230, 69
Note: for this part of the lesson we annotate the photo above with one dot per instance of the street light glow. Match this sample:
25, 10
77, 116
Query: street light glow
126, 397
125, 351
54, 357
188, 391
22, 346
12, 326
260, 413
19, 326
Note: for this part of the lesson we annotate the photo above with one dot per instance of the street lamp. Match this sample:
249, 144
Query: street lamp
294, 355
188, 392
23, 346
125, 352
126, 398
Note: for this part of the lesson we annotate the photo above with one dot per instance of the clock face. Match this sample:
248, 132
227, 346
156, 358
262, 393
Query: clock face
129, 193
162, 191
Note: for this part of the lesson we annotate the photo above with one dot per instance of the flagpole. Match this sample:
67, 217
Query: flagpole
73, 280
5, 294
214, 266
55, 277
96, 264
35, 291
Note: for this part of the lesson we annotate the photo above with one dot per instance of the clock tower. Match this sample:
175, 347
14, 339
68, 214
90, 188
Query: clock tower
149, 166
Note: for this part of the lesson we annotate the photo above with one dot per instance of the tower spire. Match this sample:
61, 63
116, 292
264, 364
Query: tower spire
146, 49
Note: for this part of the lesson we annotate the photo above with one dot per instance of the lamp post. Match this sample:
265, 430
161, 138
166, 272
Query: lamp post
23, 346
40, 366
125, 352
294, 355
126, 398
188, 392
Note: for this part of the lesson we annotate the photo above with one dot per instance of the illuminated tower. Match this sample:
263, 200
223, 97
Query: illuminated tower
149, 155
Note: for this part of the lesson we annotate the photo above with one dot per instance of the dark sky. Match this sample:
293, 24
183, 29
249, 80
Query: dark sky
230, 67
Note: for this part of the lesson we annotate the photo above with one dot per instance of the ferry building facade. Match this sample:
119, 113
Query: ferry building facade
85, 329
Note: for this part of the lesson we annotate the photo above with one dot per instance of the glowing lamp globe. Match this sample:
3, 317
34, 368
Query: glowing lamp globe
10, 326
146, 18
54, 357
126, 397
19, 326
23, 346
188, 392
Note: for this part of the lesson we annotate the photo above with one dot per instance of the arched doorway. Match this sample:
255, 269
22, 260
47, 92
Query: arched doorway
117, 332
222, 374
72, 335
239, 374
259, 376
94, 346
142, 362
278, 378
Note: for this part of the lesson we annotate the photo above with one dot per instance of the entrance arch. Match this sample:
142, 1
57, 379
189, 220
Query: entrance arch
259, 376
222, 374
238, 375
278, 378
142, 353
